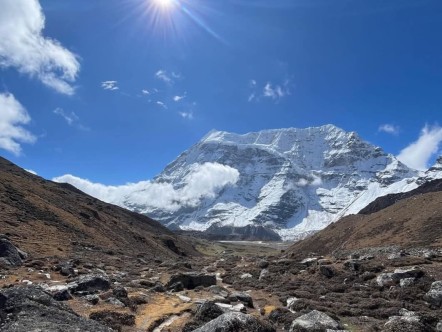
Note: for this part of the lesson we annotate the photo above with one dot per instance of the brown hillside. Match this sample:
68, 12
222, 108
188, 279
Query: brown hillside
50, 219
412, 222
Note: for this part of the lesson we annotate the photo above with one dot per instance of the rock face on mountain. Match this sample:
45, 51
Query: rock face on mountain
293, 181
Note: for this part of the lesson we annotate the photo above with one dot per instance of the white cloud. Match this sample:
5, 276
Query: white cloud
275, 92
168, 78
145, 92
419, 153
161, 104
186, 115
178, 98
12, 116
71, 118
23, 46
110, 85
389, 129
203, 181
312, 180
270, 90
31, 171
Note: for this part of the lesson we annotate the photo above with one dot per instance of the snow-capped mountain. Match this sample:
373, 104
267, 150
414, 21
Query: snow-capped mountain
293, 181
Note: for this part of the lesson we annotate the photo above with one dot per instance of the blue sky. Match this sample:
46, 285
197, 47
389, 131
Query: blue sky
114, 90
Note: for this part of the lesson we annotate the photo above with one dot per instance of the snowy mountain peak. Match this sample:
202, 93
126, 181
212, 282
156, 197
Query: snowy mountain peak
281, 182
291, 180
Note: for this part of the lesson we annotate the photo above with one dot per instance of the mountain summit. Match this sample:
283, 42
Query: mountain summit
289, 181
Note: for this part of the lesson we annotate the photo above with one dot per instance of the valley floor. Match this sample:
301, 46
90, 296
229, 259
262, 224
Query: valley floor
385, 290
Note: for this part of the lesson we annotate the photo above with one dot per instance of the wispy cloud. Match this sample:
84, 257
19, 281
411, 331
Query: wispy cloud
203, 181
71, 118
269, 90
110, 85
12, 116
419, 153
161, 104
186, 115
178, 98
389, 129
23, 46
166, 77
145, 92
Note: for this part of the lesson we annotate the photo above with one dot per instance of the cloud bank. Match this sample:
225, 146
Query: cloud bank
203, 181
419, 153
23, 46
12, 116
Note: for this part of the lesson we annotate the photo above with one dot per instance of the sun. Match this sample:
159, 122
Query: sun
164, 4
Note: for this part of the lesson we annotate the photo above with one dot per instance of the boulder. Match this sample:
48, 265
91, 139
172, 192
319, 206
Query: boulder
241, 297
352, 265
314, 321
218, 290
10, 255
89, 284
434, 295
235, 321
62, 295
232, 308
264, 274
327, 271
263, 264
192, 280
309, 261
439, 327
29, 308
385, 279
414, 272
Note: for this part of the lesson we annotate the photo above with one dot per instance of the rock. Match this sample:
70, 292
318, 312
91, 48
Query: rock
309, 261
120, 292
352, 265
113, 319
10, 255
218, 290
159, 288
314, 321
66, 269
185, 299
115, 302
414, 272
29, 308
385, 279
290, 302
327, 271
241, 297
192, 280
246, 276
439, 327
92, 299
208, 311
264, 273
235, 321
89, 284
176, 287
232, 308
407, 282
62, 295
263, 264
434, 295
324, 261
282, 316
